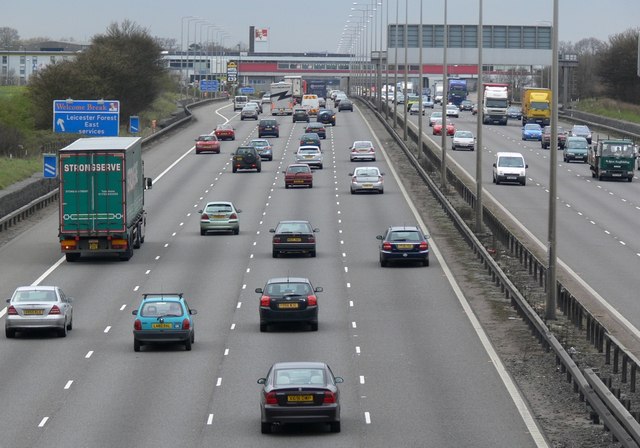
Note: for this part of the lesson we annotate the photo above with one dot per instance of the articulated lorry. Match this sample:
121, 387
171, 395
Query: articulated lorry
536, 106
457, 91
438, 92
102, 188
614, 159
281, 98
495, 103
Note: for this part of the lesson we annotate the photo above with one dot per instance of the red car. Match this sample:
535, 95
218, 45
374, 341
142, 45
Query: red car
298, 174
207, 143
225, 132
437, 128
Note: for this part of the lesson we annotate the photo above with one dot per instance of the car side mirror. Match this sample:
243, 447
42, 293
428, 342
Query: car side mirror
526, 166
148, 183
350, 174
134, 312
494, 165
262, 381
272, 230
70, 299
338, 380
316, 230
193, 311
238, 210
8, 300
200, 211
379, 237
259, 290
318, 289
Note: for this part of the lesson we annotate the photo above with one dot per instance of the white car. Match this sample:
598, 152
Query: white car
362, 150
509, 167
435, 117
311, 155
453, 111
367, 178
463, 140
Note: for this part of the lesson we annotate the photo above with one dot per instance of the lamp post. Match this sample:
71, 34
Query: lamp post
386, 109
395, 69
421, 73
479, 218
445, 100
184, 64
406, 69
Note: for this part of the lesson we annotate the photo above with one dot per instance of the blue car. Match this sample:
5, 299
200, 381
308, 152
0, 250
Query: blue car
532, 131
163, 318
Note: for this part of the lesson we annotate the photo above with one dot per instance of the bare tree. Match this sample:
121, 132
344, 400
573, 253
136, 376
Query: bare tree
9, 38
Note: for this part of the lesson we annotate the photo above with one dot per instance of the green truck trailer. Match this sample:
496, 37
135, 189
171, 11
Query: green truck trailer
102, 188
613, 159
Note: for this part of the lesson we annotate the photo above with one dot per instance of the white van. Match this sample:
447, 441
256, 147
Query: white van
509, 167
311, 103
239, 102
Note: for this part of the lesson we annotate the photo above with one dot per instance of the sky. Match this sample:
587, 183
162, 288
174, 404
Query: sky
302, 25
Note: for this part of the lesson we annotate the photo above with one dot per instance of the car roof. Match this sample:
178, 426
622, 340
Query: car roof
297, 164
308, 147
509, 154
288, 280
582, 139
299, 365
36, 288
219, 202
293, 221
163, 296
403, 228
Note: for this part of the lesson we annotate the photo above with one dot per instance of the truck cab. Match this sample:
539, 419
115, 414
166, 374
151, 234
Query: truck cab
613, 159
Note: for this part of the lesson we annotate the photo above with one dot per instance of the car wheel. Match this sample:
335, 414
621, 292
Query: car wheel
62, 332
136, 345
71, 257
234, 169
10, 333
312, 253
203, 232
187, 345
425, 262
320, 167
274, 254
286, 186
263, 327
352, 191
70, 324
384, 263
311, 185
314, 326
259, 169
382, 191
271, 159
193, 337
334, 426
265, 428
236, 231
524, 182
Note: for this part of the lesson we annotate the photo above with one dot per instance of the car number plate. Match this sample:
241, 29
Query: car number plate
616, 174
218, 216
367, 185
299, 398
294, 240
93, 244
511, 177
164, 325
405, 246
308, 157
33, 312
298, 181
289, 305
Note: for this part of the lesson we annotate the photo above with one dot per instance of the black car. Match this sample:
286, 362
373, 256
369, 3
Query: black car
268, 127
317, 128
294, 237
300, 392
246, 158
514, 112
326, 116
288, 299
310, 138
300, 115
403, 243
345, 105
466, 105
580, 130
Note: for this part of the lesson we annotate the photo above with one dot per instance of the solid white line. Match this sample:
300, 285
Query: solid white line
43, 422
68, 385
210, 419
48, 271
512, 389
3, 311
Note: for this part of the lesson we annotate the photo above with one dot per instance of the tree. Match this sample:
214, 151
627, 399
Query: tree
9, 38
617, 66
123, 64
588, 84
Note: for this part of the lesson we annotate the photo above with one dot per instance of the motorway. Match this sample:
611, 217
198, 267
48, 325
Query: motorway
596, 234
418, 371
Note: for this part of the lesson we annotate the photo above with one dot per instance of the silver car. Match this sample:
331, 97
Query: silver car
219, 216
367, 178
434, 117
250, 111
311, 155
38, 307
362, 150
463, 140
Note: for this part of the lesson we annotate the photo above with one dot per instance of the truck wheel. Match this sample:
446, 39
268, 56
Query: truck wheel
72, 257
126, 255
136, 242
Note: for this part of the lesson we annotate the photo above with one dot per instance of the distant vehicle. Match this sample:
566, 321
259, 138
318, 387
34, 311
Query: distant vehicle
219, 216
509, 167
282, 100
437, 128
457, 91
249, 112
311, 103
326, 116
256, 104
452, 111
438, 89
298, 175
532, 131
288, 299
415, 109
264, 148
38, 307
463, 140
266, 98
246, 158
403, 243
310, 138
545, 140
575, 148
239, 101
163, 318
207, 143
339, 97
466, 105
362, 150
345, 104
268, 127
367, 178
435, 116
614, 159
496, 102
294, 237
317, 128
225, 132
300, 115
300, 392
311, 155
514, 112
580, 130
536, 106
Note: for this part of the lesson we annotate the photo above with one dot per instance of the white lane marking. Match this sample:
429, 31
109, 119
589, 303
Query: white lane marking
210, 419
353, 325
173, 234
351, 303
43, 422
244, 286
233, 326
219, 382
68, 385
348, 285
136, 288
239, 305
3, 312
157, 257
346, 269
123, 307
147, 273
250, 256
106, 330
513, 391
367, 418
48, 271
226, 352
88, 355
181, 224
361, 379
358, 349
623, 243
166, 244
248, 270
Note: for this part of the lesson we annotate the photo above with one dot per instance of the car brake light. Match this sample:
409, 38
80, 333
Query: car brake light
354, 179
270, 398
423, 245
233, 216
137, 325
186, 324
329, 397
380, 179
311, 239
386, 246
371, 150
312, 300
265, 301
204, 217
12, 311
54, 310
276, 239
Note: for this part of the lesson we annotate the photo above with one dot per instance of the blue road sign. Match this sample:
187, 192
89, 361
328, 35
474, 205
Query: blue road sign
50, 166
209, 85
247, 90
134, 124
98, 118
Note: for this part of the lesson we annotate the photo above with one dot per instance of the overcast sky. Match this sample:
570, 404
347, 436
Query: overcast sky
302, 25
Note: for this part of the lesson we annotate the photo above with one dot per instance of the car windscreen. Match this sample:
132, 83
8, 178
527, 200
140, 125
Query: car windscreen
464, 134
157, 309
218, 208
288, 289
367, 172
293, 227
299, 376
35, 296
405, 235
513, 162
298, 169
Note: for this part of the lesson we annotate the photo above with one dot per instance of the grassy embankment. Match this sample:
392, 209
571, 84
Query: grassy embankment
610, 108
15, 114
